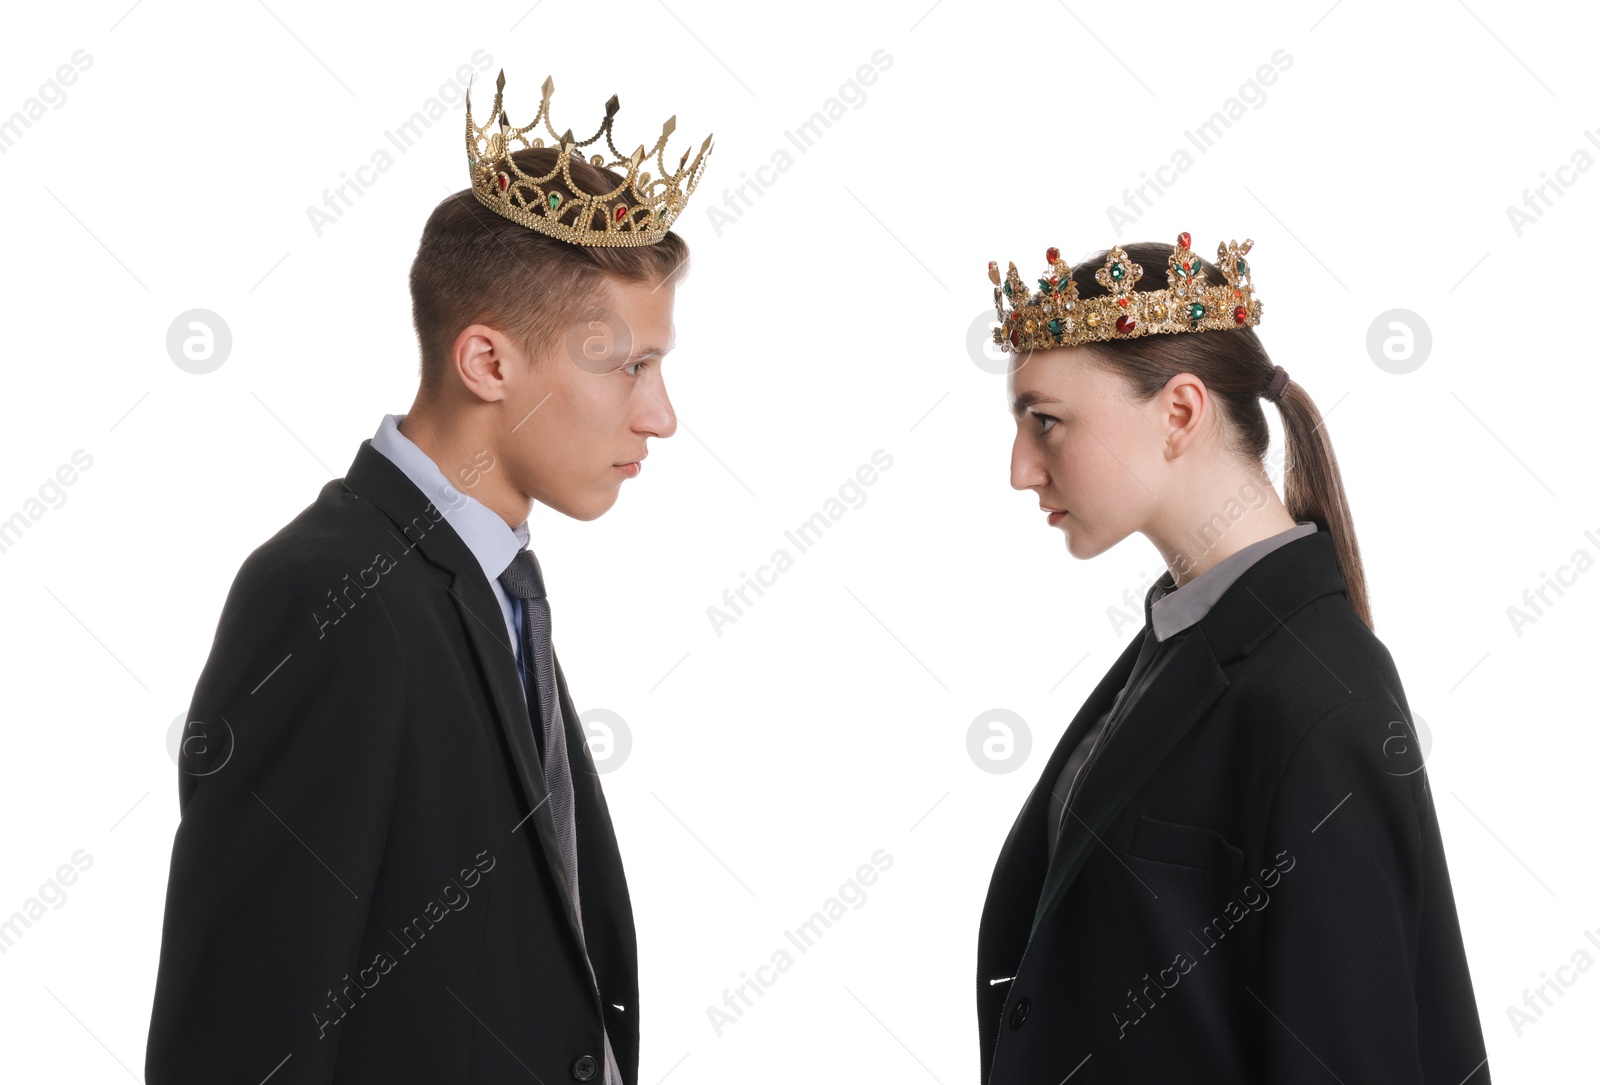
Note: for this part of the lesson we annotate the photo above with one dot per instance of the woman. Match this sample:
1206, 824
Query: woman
1230, 869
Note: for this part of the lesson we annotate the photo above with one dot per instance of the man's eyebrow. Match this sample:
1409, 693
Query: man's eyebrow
1028, 399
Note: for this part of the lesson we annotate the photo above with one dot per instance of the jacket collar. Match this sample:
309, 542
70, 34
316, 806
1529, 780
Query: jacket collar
374, 478
1263, 597
485, 533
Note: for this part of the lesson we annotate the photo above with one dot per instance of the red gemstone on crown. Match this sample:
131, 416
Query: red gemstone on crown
502, 181
1122, 302
1124, 324
1052, 254
1240, 315
1183, 240
622, 211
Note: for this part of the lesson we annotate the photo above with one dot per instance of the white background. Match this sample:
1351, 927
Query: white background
827, 321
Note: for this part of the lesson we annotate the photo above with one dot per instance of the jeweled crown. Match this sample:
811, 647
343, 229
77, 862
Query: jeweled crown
534, 202
1054, 315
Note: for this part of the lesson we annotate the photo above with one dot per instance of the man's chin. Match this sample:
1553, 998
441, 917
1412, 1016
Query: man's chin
589, 507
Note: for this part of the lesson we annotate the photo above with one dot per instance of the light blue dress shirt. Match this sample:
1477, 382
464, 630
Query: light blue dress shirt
492, 541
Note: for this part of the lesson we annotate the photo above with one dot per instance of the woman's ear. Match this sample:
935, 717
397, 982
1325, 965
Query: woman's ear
1184, 404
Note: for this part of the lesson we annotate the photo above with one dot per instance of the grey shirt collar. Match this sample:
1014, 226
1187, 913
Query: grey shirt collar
1174, 610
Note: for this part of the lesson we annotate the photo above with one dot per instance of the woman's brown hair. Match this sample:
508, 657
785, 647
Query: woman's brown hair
475, 266
1235, 368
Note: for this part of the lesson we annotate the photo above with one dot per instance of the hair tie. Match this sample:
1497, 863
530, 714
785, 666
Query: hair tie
1275, 386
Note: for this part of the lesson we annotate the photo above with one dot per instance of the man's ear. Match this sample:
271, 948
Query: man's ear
482, 357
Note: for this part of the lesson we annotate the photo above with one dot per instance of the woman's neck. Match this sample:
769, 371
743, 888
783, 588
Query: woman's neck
1214, 523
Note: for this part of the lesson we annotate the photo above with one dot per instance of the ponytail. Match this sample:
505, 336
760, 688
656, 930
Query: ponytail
1313, 490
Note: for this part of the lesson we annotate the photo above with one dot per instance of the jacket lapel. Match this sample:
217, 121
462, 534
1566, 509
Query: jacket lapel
373, 477
1180, 695
479, 608
1015, 886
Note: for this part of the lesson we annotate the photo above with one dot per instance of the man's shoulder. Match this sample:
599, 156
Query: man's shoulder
335, 534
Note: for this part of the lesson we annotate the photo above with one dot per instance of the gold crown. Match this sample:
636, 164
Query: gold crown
1054, 316
522, 197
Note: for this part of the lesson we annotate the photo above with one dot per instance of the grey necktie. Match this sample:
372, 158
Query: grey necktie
523, 579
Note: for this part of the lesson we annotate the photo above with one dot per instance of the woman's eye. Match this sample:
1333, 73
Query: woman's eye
1045, 422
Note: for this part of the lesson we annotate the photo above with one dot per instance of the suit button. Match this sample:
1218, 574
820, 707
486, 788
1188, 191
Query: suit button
584, 1069
1019, 1013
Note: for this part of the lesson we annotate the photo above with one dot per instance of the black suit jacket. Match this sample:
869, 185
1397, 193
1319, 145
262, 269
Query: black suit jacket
358, 891
1250, 886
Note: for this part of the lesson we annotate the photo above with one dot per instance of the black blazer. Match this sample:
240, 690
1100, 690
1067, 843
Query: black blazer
358, 892
1250, 886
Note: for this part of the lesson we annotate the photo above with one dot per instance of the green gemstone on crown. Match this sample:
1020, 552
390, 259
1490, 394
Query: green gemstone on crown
1196, 311
554, 201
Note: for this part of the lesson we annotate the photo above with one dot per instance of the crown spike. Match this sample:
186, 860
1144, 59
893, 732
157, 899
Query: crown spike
499, 89
697, 158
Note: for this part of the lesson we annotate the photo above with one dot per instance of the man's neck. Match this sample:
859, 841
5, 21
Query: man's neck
459, 458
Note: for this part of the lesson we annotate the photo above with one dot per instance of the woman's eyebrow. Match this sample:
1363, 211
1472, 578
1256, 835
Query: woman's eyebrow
1028, 399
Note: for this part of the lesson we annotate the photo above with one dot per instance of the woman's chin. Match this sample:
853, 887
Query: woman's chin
1078, 544
1083, 544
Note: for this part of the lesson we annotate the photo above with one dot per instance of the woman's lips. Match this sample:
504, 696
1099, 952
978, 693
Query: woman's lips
630, 470
1055, 516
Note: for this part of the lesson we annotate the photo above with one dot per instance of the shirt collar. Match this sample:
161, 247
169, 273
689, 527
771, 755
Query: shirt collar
1170, 610
492, 541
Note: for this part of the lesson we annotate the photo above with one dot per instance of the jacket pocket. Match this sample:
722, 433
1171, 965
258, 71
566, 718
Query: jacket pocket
1185, 845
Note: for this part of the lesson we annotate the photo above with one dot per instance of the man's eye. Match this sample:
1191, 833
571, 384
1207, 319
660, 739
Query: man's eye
634, 365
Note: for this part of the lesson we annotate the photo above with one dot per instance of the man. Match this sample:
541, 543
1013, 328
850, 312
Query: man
395, 862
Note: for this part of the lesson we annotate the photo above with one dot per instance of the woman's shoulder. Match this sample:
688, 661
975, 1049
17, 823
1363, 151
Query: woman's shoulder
1325, 649
1320, 665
